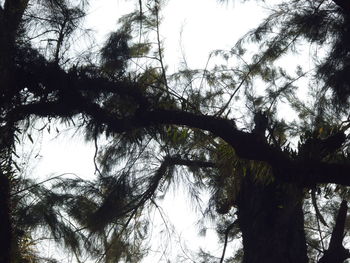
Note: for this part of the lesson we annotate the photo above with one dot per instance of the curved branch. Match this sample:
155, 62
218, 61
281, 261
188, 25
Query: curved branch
74, 97
317, 210
154, 182
228, 229
247, 145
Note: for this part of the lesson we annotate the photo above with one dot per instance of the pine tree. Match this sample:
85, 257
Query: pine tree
159, 127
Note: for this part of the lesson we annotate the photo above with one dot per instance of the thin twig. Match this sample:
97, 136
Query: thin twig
160, 49
42, 182
319, 217
95, 155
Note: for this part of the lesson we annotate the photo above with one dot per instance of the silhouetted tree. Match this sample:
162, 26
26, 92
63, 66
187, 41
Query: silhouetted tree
154, 123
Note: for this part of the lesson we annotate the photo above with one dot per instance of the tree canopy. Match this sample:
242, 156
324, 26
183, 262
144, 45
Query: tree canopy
278, 186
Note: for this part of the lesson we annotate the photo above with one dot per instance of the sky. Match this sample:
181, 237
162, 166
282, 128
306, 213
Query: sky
190, 28
205, 24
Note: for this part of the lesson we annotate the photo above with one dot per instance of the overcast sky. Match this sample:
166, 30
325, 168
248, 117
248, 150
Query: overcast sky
206, 25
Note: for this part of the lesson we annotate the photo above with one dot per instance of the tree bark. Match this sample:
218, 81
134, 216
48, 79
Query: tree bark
336, 253
10, 18
272, 223
5, 220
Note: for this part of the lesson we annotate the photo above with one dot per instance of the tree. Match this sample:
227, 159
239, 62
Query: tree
147, 114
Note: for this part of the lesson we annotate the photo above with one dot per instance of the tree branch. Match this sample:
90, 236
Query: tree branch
227, 232
74, 97
191, 163
319, 217
336, 253
247, 145
344, 5
154, 181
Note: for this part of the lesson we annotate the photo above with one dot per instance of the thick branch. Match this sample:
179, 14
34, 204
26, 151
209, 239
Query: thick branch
336, 252
247, 145
344, 5
191, 163
74, 97
321, 173
227, 232
338, 231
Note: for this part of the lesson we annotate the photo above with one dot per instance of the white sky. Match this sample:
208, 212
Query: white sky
206, 25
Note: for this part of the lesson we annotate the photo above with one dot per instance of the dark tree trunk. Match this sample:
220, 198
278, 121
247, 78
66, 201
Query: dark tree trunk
271, 219
5, 220
6, 80
11, 12
336, 252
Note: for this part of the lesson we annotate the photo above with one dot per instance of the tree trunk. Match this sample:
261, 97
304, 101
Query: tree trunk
271, 219
10, 17
5, 220
5, 143
336, 252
